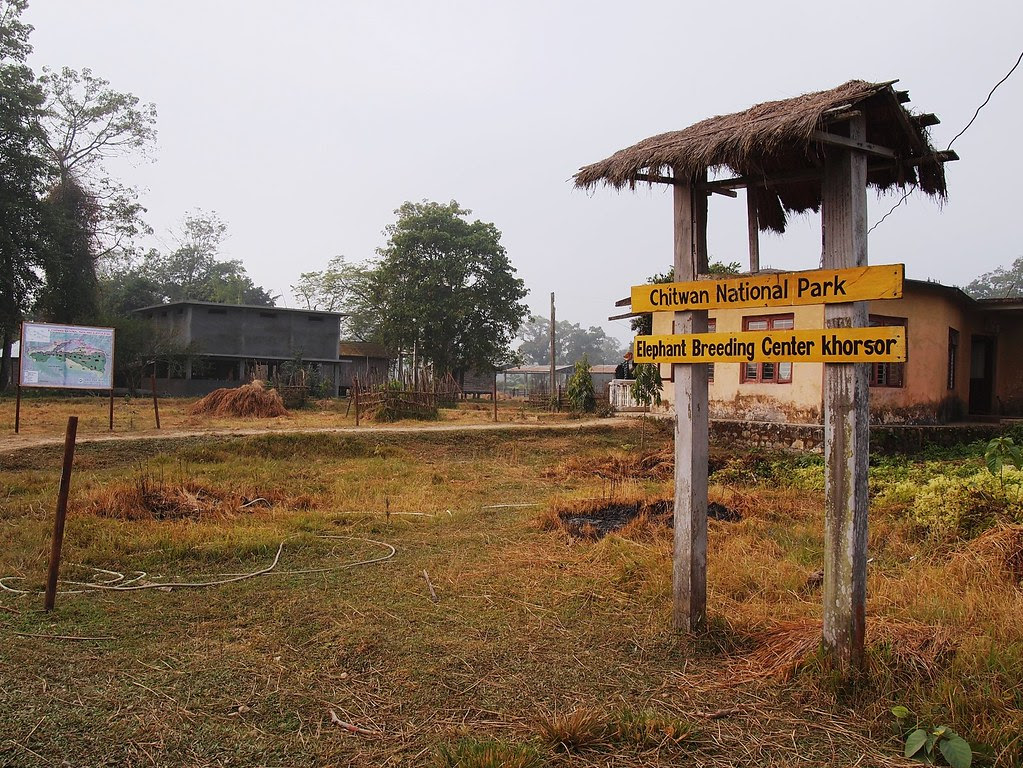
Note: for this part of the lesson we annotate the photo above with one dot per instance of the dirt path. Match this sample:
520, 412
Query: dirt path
14, 443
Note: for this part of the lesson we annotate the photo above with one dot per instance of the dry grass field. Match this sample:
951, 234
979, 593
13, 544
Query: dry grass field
536, 648
43, 414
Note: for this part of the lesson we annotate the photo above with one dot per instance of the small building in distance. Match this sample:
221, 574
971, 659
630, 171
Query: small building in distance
963, 361
230, 344
365, 360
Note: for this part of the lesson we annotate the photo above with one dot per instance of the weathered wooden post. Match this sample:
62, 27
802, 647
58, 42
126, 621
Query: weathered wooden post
553, 363
156, 402
355, 395
846, 414
58, 523
689, 571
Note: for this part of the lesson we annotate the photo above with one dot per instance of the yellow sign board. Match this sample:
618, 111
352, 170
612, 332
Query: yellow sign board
780, 289
830, 345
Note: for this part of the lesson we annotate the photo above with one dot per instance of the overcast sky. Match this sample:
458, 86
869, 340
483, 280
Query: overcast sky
304, 124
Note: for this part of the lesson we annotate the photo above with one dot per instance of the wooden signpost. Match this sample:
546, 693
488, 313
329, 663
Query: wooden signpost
777, 289
843, 342
809, 152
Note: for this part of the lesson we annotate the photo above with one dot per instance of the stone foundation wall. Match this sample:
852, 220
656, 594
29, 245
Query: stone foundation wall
810, 437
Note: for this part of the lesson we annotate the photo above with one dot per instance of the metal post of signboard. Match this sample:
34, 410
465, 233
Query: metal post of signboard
111, 409
17, 407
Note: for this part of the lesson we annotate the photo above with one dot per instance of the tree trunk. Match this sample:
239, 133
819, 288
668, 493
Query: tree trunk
5, 360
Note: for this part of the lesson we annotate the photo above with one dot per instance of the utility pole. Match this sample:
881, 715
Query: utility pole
553, 388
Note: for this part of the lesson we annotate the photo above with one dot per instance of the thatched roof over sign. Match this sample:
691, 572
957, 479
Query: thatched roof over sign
772, 146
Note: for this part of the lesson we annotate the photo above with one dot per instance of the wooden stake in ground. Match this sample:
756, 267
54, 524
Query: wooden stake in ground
355, 394
689, 571
58, 523
156, 404
846, 431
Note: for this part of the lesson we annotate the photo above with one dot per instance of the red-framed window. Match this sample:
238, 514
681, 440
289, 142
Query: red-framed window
891, 375
767, 373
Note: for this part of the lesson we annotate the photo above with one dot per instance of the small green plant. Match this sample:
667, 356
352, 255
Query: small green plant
580, 388
470, 753
929, 745
581, 729
646, 387
1002, 452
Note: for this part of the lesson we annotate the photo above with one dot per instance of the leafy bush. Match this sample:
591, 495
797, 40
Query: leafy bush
967, 506
580, 388
646, 388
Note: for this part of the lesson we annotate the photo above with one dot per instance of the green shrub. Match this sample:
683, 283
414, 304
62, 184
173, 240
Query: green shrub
965, 507
580, 388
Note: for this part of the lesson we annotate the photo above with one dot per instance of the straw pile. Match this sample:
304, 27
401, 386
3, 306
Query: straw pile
1002, 545
247, 401
653, 465
787, 646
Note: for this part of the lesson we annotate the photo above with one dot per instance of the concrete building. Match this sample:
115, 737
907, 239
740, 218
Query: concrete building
230, 344
965, 360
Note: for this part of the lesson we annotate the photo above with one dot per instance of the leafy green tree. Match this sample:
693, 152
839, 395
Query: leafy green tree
331, 289
572, 342
643, 324
192, 271
21, 178
88, 215
1002, 283
646, 387
579, 388
445, 284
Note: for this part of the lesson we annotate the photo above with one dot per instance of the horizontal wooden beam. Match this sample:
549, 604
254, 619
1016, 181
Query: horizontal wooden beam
655, 179
844, 141
902, 96
810, 174
925, 120
625, 316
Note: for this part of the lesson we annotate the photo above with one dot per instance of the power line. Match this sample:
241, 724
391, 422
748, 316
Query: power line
913, 189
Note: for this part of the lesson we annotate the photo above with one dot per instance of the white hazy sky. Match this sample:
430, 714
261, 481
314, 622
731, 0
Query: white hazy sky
304, 124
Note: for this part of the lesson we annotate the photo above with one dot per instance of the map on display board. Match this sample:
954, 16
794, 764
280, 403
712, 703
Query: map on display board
66, 356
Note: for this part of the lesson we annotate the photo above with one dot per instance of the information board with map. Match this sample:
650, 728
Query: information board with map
67, 356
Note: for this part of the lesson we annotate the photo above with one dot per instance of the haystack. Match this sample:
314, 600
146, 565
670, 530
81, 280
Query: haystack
248, 401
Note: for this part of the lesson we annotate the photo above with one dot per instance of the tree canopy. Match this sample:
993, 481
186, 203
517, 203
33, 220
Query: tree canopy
445, 284
572, 343
191, 271
21, 176
1001, 283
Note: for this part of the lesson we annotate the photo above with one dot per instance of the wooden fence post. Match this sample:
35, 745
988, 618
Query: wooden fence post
58, 524
495, 396
689, 571
846, 414
355, 391
156, 404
